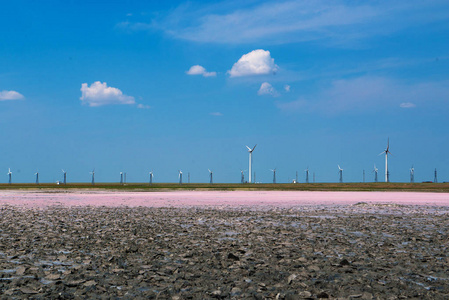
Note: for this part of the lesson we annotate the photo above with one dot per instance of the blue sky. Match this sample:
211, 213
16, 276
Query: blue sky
136, 86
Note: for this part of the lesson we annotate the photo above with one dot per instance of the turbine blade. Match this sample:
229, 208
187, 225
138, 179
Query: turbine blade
249, 149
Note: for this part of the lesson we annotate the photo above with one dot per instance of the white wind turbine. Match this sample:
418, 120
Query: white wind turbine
340, 171
211, 176
412, 174
250, 160
375, 173
307, 174
151, 177
9, 175
180, 176
93, 176
121, 178
242, 178
65, 177
37, 177
386, 151
274, 174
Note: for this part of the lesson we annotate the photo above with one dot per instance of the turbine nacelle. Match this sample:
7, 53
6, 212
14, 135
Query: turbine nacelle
251, 150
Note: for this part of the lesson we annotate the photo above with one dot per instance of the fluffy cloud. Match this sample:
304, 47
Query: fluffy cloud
98, 94
267, 89
10, 95
257, 62
200, 70
287, 88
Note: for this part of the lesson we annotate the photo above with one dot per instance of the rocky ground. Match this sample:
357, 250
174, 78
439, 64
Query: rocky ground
360, 251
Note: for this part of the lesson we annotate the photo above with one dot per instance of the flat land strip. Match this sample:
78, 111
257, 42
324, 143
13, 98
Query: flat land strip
356, 186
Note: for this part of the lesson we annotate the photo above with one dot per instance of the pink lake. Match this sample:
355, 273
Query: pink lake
216, 199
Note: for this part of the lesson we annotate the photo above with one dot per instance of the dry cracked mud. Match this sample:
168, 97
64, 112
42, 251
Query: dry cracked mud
359, 251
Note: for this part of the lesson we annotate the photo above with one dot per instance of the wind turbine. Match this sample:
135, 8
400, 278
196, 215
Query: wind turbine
10, 175
375, 173
435, 179
151, 177
121, 178
180, 176
93, 176
307, 174
274, 174
340, 170
37, 177
65, 177
250, 160
386, 151
412, 174
242, 180
211, 174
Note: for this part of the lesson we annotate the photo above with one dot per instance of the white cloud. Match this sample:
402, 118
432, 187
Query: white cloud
370, 93
407, 105
216, 114
143, 106
290, 21
200, 70
267, 89
287, 88
256, 62
98, 94
10, 95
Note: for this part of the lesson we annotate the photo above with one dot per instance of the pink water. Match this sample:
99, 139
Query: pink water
284, 199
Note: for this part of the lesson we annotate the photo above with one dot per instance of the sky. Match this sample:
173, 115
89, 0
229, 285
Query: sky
162, 86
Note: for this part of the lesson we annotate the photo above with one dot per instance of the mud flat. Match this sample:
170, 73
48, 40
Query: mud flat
126, 246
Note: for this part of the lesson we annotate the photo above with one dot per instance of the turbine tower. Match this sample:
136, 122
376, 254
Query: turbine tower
340, 171
307, 174
37, 177
65, 177
412, 174
386, 151
151, 177
210, 176
121, 178
250, 160
242, 179
180, 176
274, 174
375, 173
93, 176
9, 175
435, 179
